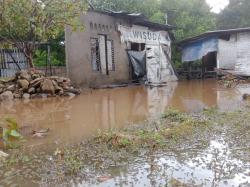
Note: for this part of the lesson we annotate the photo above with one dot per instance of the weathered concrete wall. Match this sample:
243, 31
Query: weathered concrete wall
78, 51
227, 54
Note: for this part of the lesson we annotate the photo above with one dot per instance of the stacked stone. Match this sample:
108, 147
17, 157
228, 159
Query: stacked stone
29, 84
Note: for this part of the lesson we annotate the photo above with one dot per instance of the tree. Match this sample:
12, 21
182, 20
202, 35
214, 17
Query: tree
192, 17
235, 15
27, 23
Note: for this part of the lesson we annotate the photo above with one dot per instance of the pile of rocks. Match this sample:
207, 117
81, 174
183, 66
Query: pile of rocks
28, 84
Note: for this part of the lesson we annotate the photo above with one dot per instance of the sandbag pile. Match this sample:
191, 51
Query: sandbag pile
29, 84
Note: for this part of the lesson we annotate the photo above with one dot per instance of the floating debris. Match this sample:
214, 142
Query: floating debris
246, 97
40, 133
231, 81
3, 154
103, 178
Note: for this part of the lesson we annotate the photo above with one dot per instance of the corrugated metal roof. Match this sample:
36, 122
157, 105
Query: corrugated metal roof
154, 25
219, 33
137, 19
127, 15
142, 20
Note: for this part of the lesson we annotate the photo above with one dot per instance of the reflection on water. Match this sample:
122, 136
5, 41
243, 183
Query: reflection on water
212, 167
70, 120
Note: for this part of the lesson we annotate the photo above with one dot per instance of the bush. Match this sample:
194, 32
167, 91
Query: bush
40, 58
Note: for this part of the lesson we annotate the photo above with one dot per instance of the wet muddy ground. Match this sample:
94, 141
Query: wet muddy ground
155, 146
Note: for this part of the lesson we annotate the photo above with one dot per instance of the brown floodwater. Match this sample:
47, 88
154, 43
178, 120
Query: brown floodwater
71, 120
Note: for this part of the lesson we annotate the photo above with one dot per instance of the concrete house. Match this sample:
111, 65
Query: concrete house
227, 50
118, 47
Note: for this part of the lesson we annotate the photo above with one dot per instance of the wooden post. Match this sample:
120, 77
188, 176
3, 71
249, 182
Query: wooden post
189, 70
49, 60
203, 67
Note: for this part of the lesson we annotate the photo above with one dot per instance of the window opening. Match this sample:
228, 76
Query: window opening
95, 54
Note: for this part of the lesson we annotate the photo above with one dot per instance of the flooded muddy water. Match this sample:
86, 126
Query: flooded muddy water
217, 156
71, 120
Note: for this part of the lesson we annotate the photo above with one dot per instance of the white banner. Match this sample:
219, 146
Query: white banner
143, 35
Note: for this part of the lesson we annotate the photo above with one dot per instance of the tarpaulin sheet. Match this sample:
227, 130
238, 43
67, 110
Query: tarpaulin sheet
159, 68
138, 61
196, 50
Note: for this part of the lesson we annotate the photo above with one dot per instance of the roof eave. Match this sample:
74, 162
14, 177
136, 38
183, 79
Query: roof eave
218, 33
154, 25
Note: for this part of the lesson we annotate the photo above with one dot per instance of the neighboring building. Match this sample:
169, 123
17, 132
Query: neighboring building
118, 47
224, 49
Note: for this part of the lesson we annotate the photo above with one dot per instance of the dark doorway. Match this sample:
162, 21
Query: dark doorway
209, 64
137, 47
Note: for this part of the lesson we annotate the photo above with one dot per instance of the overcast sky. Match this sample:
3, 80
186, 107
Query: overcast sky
217, 5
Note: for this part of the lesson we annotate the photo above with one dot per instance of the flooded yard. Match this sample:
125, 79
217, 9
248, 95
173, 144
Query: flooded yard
71, 120
120, 137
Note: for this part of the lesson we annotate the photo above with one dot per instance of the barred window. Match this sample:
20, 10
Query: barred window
110, 53
95, 54
102, 54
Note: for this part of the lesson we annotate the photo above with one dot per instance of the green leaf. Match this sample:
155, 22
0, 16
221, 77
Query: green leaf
25, 158
15, 134
11, 123
6, 133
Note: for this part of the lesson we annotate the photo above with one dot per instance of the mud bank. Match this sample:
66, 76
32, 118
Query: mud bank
210, 148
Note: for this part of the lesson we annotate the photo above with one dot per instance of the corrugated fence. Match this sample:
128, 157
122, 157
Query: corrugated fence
11, 61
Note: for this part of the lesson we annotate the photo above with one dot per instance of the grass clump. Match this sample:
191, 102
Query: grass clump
72, 161
210, 111
114, 139
150, 138
184, 129
173, 126
174, 115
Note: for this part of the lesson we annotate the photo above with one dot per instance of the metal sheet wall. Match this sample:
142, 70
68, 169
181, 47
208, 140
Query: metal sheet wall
243, 54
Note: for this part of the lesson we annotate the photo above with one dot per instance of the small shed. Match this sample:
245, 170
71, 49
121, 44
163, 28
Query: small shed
222, 49
119, 47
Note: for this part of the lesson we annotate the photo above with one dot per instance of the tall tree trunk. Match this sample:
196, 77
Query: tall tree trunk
28, 51
30, 60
